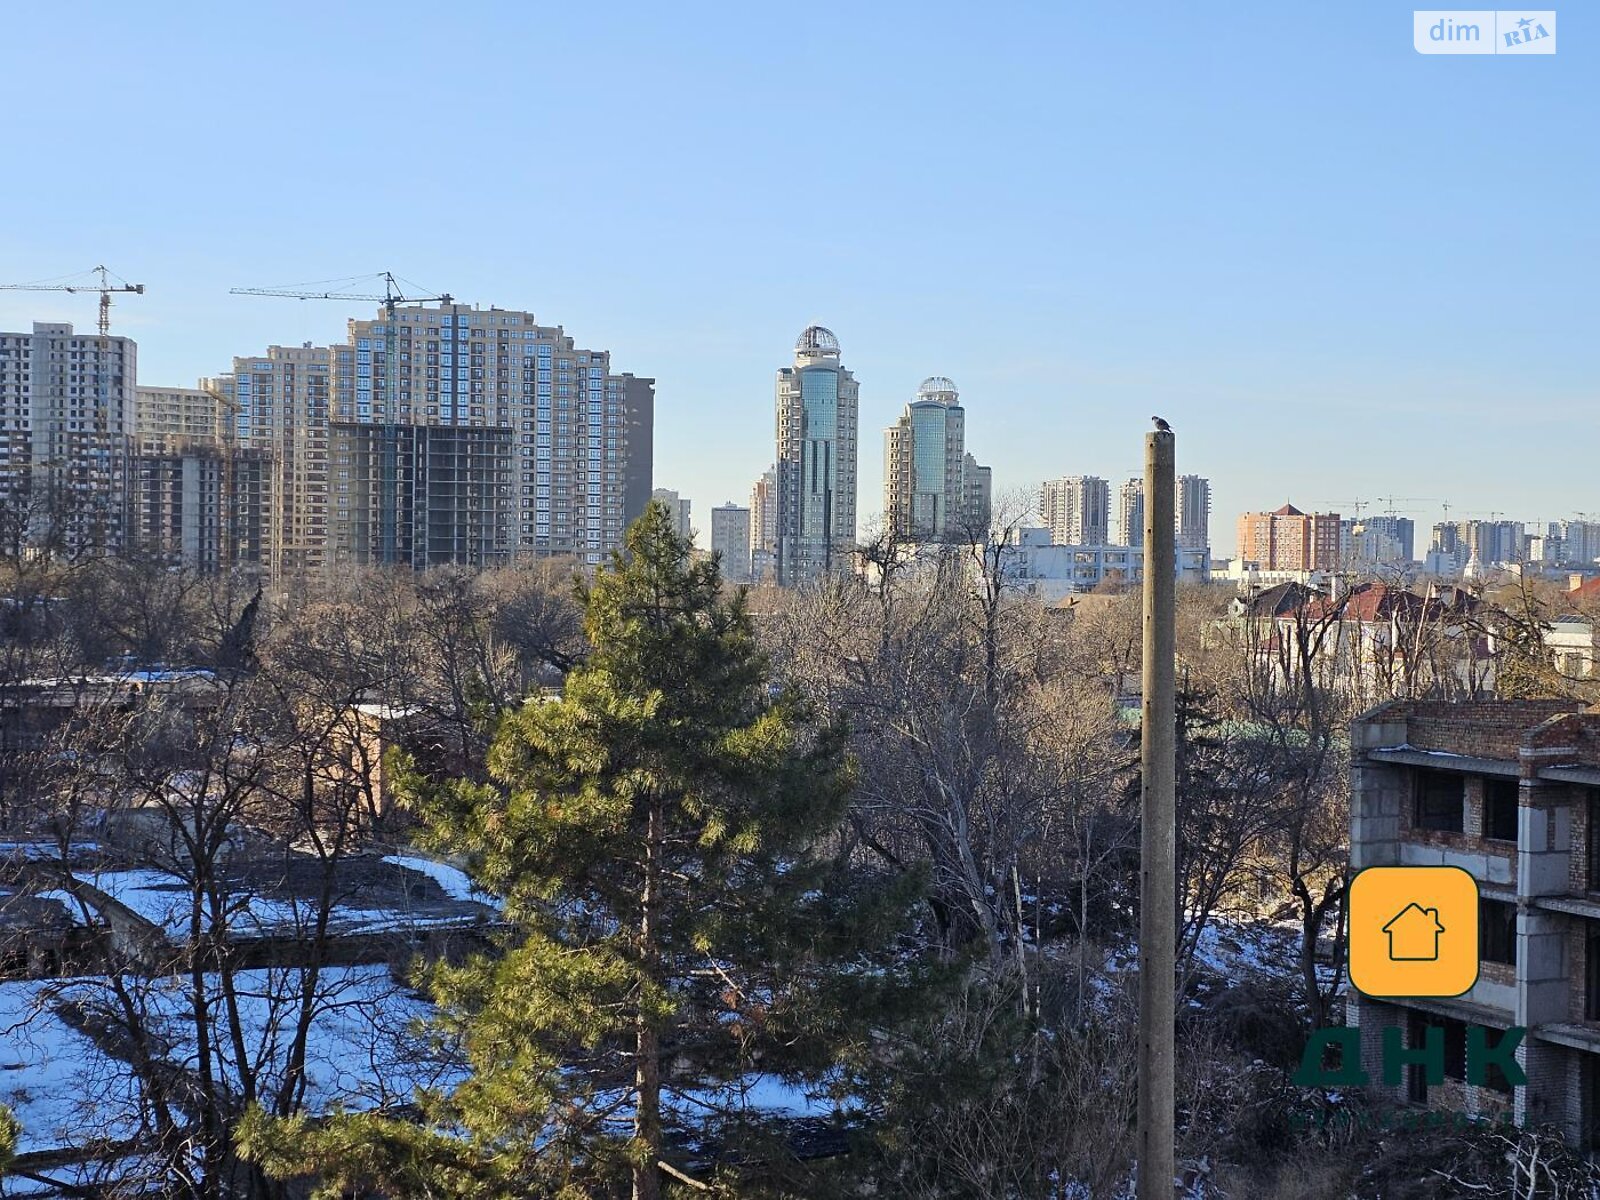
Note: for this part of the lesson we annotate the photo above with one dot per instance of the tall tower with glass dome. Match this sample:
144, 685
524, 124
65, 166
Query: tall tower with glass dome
933, 490
817, 402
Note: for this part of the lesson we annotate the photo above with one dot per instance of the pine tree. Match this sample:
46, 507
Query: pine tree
8, 1139
665, 838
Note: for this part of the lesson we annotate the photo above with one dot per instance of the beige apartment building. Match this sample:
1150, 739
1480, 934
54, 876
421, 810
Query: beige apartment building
162, 414
764, 527
580, 434
1077, 510
278, 403
730, 538
680, 507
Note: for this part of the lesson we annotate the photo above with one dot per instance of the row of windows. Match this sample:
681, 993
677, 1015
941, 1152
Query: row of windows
1441, 805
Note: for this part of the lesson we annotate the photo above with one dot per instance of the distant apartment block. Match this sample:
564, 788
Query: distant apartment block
764, 528
816, 408
679, 507
1402, 531
1373, 542
1077, 510
1192, 512
1509, 791
932, 488
1470, 547
196, 504
1130, 512
581, 434
730, 538
978, 483
278, 403
66, 414
1289, 540
163, 415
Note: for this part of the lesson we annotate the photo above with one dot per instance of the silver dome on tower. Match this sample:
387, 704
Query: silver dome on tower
937, 387
816, 340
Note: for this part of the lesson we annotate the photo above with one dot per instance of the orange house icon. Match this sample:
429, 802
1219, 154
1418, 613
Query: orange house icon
1414, 934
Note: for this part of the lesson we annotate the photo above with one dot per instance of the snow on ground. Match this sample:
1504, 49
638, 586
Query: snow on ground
365, 1048
1232, 947
34, 851
54, 1080
163, 899
456, 883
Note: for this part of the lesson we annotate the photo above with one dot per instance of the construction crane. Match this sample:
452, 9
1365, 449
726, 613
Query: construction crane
1354, 506
1393, 501
391, 299
101, 453
104, 287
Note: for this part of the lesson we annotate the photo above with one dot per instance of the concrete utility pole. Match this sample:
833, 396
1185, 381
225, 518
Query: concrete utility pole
1158, 904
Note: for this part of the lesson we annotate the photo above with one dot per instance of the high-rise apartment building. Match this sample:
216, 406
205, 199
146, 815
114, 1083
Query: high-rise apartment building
66, 411
1077, 510
978, 485
1496, 541
1130, 513
195, 494
161, 414
730, 538
580, 433
764, 527
1401, 530
678, 506
278, 403
817, 400
1369, 543
1289, 540
1192, 512
420, 495
926, 491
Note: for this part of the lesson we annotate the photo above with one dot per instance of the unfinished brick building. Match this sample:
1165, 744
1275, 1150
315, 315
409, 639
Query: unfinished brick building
1509, 791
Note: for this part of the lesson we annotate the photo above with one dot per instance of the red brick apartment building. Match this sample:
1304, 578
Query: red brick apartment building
1509, 791
1289, 540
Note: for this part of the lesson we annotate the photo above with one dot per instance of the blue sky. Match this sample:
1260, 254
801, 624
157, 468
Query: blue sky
1340, 268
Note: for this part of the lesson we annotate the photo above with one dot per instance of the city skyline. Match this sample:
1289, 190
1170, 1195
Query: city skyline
1155, 237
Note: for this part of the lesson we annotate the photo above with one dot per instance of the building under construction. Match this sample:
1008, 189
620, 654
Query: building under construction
421, 495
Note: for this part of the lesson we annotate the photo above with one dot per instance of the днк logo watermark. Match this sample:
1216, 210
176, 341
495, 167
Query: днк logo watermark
1484, 31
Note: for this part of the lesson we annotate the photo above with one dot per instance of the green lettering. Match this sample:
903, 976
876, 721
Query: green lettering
1481, 1056
1312, 1071
1397, 1057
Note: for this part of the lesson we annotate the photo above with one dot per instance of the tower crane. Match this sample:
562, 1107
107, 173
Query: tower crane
101, 453
391, 299
1393, 501
1355, 506
104, 287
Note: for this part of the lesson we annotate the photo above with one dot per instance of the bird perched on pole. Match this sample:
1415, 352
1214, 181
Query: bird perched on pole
1161, 425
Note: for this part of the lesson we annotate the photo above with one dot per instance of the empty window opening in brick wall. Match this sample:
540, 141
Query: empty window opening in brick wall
1591, 974
1500, 809
1441, 799
1497, 932
1594, 839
